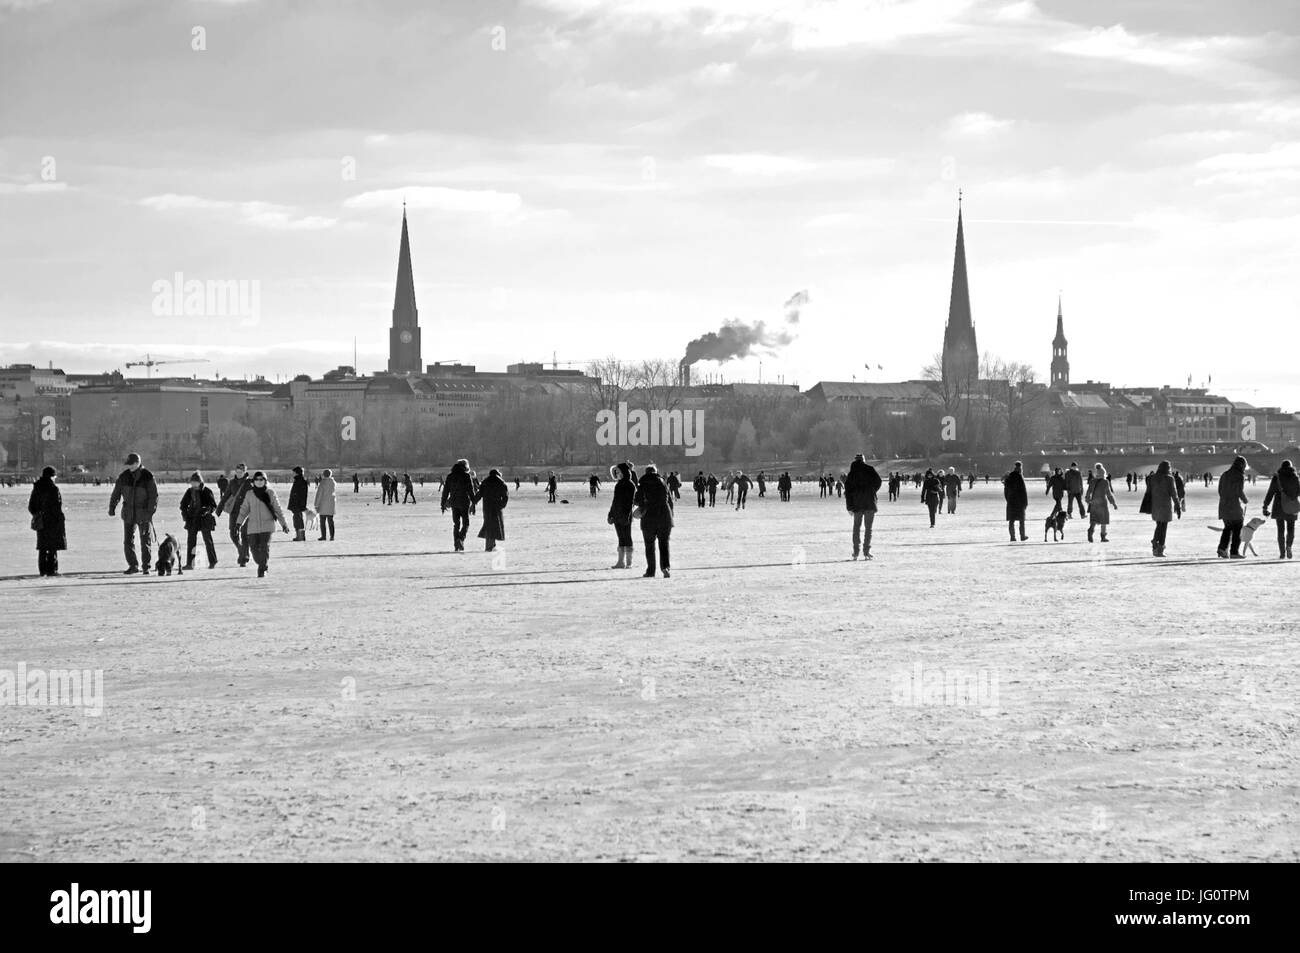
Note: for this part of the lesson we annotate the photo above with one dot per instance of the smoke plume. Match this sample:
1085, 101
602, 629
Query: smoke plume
737, 339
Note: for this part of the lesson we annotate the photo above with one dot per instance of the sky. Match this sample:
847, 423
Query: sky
586, 178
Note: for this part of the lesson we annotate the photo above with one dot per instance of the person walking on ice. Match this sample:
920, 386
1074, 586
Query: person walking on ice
493, 494
1016, 494
656, 505
1100, 500
138, 493
620, 512
860, 489
325, 504
258, 514
458, 493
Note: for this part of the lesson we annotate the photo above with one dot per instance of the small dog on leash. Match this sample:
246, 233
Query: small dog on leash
1055, 523
309, 518
169, 557
1247, 534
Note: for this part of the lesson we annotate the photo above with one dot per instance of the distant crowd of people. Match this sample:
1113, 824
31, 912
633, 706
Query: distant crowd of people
253, 510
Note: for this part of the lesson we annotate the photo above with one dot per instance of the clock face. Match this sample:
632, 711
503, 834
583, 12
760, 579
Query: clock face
405, 337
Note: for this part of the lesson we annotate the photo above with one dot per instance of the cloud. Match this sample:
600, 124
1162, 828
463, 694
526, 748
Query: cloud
977, 124
1277, 165
253, 213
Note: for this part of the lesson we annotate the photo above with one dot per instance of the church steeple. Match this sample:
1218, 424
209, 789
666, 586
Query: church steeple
960, 361
1060, 352
404, 335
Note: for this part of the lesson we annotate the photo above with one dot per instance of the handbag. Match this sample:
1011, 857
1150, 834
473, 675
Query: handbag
1146, 502
38, 522
1290, 506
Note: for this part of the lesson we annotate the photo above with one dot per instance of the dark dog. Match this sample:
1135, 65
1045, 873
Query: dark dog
1056, 523
169, 557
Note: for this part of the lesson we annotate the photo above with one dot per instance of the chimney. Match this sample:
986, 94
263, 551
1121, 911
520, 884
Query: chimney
684, 374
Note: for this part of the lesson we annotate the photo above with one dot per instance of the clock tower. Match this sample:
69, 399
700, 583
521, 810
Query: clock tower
404, 335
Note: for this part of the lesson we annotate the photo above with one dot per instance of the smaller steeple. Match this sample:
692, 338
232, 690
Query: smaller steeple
1060, 352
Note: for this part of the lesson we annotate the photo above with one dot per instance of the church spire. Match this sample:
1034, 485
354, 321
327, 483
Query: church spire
404, 335
960, 359
1060, 352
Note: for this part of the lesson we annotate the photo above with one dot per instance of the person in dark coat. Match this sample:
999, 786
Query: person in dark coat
551, 486
1232, 508
1181, 489
1056, 485
1161, 501
356, 483
620, 512
458, 493
742, 485
298, 504
784, 485
493, 494
1074, 489
1016, 494
231, 501
931, 493
1284, 490
675, 485
222, 483
46, 506
701, 486
408, 489
136, 490
198, 513
656, 505
860, 489
712, 483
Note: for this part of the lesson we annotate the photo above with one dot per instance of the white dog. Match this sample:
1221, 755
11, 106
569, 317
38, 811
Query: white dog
1247, 534
309, 518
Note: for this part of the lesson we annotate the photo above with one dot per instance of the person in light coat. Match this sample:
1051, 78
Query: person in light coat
1101, 500
325, 503
258, 515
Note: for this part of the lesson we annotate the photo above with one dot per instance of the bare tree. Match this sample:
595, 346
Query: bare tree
611, 381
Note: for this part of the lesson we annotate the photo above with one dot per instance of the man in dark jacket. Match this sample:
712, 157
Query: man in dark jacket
656, 518
240, 483
1232, 508
198, 511
408, 489
860, 489
712, 483
1017, 496
458, 493
551, 485
1074, 487
1056, 487
138, 493
700, 485
298, 504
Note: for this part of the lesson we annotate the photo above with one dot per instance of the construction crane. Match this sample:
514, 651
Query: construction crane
149, 363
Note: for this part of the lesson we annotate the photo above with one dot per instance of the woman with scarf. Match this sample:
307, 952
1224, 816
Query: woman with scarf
259, 514
620, 512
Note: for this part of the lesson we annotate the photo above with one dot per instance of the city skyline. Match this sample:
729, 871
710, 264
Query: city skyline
573, 197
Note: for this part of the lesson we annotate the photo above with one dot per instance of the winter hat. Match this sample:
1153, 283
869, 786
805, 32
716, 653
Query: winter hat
298, 470
259, 475
132, 458
196, 475
494, 472
1239, 463
327, 472
650, 468
48, 472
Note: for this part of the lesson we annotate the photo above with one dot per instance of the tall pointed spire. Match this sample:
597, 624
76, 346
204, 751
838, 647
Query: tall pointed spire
960, 361
404, 336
